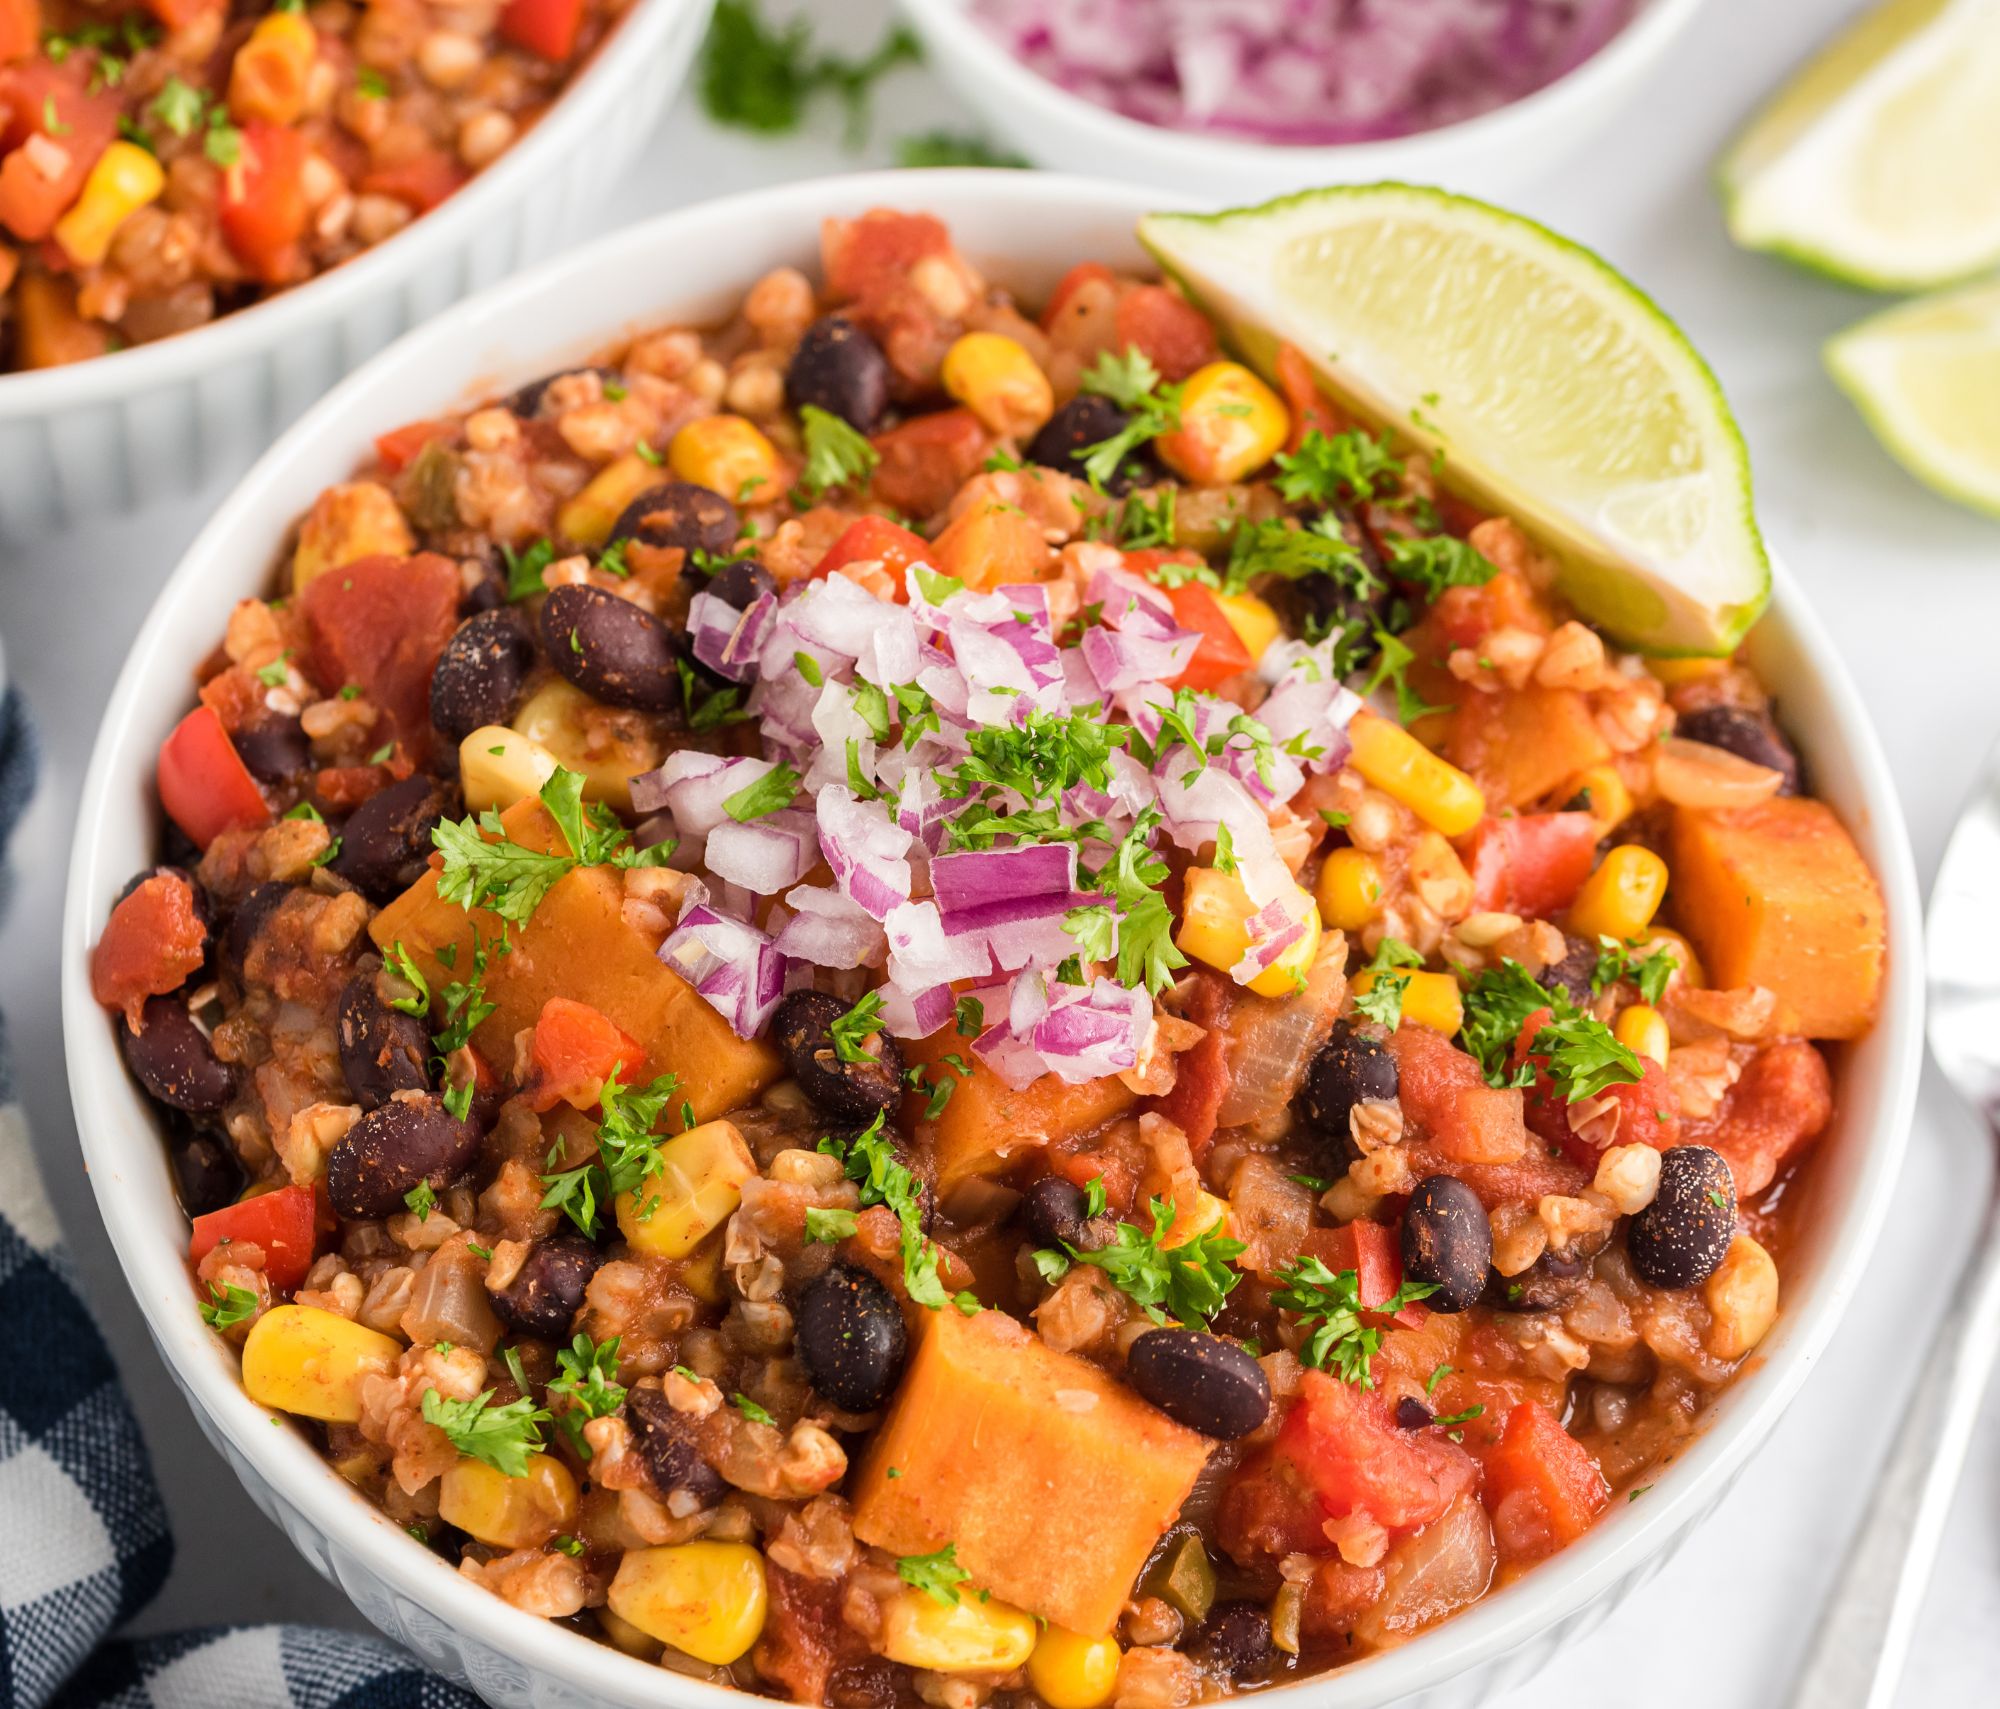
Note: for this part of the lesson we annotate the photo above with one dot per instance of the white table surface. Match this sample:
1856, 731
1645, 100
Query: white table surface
1909, 586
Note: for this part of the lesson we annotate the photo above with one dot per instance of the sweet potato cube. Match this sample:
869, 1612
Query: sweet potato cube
578, 944
1052, 1480
987, 1126
1521, 747
1778, 895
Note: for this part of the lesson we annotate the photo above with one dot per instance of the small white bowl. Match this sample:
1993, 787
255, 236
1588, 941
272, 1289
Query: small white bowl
1025, 229
108, 436
1482, 156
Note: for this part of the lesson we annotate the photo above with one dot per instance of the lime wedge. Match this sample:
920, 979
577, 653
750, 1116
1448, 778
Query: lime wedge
1875, 164
1555, 391
1926, 375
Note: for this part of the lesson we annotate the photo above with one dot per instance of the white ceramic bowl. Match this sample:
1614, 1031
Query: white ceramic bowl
1024, 229
159, 420
1487, 155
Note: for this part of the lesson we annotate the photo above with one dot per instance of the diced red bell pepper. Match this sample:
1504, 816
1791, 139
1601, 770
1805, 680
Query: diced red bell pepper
419, 183
1083, 273
152, 942
204, 785
1311, 410
263, 208
398, 447
382, 622
1174, 335
283, 1224
546, 27
1347, 1450
1375, 1255
927, 459
1542, 1485
20, 29
1533, 864
1221, 654
49, 102
876, 539
574, 1051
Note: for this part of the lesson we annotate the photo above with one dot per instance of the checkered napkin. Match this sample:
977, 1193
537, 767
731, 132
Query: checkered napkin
84, 1543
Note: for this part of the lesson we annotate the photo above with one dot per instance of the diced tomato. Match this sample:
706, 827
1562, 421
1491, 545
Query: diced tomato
20, 29
927, 459
546, 27
1465, 616
1221, 654
1532, 864
1171, 331
399, 446
1375, 1255
282, 1224
263, 207
1083, 273
992, 545
878, 540
1542, 1485
870, 258
152, 942
1311, 409
1201, 1079
419, 183
1781, 1105
38, 99
204, 785
1347, 1450
381, 622
574, 1051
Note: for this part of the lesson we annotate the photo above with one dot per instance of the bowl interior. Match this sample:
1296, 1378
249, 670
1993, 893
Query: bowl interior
1023, 229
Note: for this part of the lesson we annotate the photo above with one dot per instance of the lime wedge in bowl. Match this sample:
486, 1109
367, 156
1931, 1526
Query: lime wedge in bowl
1926, 376
1874, 165
1554, 390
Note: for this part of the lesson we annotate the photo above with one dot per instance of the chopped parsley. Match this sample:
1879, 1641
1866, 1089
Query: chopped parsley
1141, 525
1335, 468
751, 1410
1276, 548
1393, 667
1580, 1052
179, 106
771, 793
501, 1436
370, 84
1186, 1283
400, 964
524, 568
1382, 1002
870, 1161
758, 77
275, 674
837, 453
945, 148
612, 559
826, 1224
227, 1305
422, 1200
969, 1017
1130, 380
588, 1383
1340, 1340
1134, 924
938, 1575
1437, 561
628, 1155
854, 1029
1649, 971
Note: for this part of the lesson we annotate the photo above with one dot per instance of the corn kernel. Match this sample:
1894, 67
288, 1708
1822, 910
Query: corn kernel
1429, 999
696, 1190
301, 1359
1399, 765
727, 455
498, 767
1215, 915
627, 1637
608, 751
1255, 623
1742, 1299
1231, 424
1208, 1213
1610, 802
509, 1513
1672, 671
587, 519
357, 519
1070, 1671
996, 378
1349, 889
705, 1599
701, 1275
268, 76
1643, 1028
1619, 899
966, 1636
125, 178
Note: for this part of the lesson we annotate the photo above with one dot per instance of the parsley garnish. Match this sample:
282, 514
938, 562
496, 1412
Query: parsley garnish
370, 84
771, 793
1382, 1002
1649, 971
1331, 1303
943, 148
1136, 922
227, 1305
870, 1161
422, 1200
589, 1383
854, 1029
502, 1436
938, 1576
758, 77
628, 1154
1276, 548
826, 1224
1436, 562
1129, 380
969, 1017
751, 1410
612, 559
400, 964
1186, 1283
1393, 668
1582, 1056
524, 568
1327, 469
275, 673
837, 454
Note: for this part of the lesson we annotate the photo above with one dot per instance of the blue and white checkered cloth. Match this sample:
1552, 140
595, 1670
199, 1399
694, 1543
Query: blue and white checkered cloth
84, 1543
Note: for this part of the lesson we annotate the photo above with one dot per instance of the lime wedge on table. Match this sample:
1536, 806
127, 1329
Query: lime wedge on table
1557, 392
1926, 375
1876, 163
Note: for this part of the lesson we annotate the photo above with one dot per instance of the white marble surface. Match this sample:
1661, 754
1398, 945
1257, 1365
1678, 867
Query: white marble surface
1909, 586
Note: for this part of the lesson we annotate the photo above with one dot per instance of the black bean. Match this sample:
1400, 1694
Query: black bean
250, 918
1447, 1242
680, 514
174, 1062
207, 1172
609, 648
849, 1335
1235, 1639
1203, 1381
390, 1151
1054, 1212
1553, 1281
840, 369
527, 402
802, 1029
480, 673
1572, 974
1412, 1414
1751, 736
382, 1050
1086, 421
740, 583
273, 749
1329, 601
670, 1447
1351, 1068
385, 845
1680, 1239
486, 592
547, 1291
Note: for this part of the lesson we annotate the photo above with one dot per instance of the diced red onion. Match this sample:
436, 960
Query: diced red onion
828, 930
1272, 930
844, 617
980, 876
1125, 659
921, 955
693, 786
764, 855
726, 640
1130, 602
866, 849
729, 962
917, 1014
